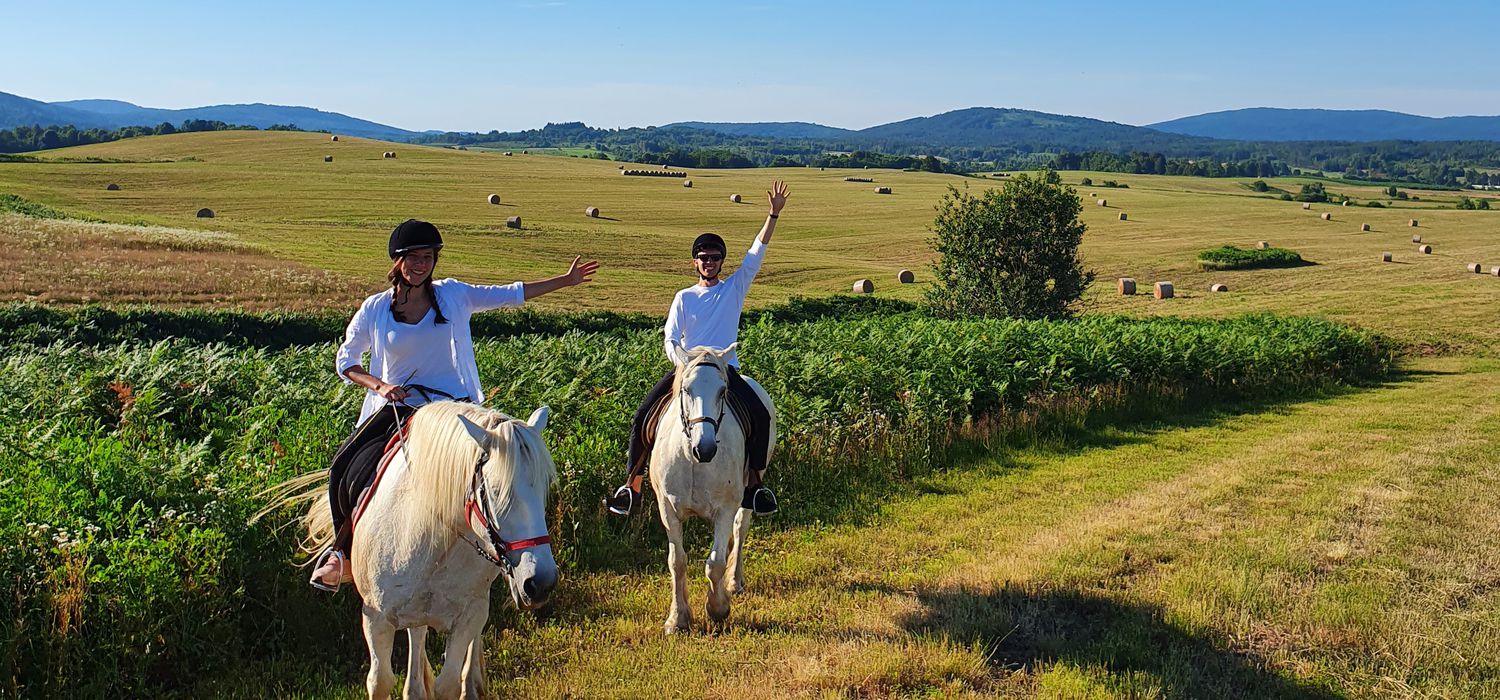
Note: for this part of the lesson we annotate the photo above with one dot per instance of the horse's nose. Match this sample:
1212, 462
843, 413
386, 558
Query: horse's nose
538, 588
705, 453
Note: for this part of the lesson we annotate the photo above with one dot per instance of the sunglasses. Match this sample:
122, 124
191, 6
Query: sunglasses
709, 258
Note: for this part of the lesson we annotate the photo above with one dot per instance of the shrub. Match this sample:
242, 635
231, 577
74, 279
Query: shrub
1231, 258
1260, 186
1009, 252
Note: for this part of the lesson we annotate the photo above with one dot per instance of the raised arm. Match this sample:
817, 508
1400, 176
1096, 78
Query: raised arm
576, 274
777, 195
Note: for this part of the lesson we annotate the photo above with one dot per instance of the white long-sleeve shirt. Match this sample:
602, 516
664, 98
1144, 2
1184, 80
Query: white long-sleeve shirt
371, 328
710, 316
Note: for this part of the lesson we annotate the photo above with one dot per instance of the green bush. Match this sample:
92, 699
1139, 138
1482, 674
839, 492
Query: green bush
130, 469
1232, 258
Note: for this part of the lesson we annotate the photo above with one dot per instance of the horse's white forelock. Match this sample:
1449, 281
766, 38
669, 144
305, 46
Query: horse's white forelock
440, 462
702, 355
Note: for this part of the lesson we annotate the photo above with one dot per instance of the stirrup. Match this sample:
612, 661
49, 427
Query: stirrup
760, 500
624, 501
317, 582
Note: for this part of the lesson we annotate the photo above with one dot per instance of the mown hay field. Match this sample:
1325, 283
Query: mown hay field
272, 189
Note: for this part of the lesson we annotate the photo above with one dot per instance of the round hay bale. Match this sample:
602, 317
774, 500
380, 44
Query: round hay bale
1495, 270
1346, 202
327, 159
1364, 227
1416, 239
1306, 205
1475, 268
591, 212
1327, 216
112, 187
687, 183
734, 198
513, 222
864, 287
335, 137
1424, 249
1218, 287
205, 213
507, 153
525, 152
1126, 286
1262, 245
1412, 223
906, 277
1122, 216
882, 190
388, 154
493, 199
1385, 257
1103, 202
1093, 195
1163, 290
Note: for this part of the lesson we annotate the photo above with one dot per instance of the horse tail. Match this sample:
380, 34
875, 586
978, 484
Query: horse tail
317, 522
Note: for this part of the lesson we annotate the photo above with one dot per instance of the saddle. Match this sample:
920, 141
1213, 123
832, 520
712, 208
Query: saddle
392, 448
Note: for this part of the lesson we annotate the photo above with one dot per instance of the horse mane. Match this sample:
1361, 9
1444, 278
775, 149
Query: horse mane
440, 459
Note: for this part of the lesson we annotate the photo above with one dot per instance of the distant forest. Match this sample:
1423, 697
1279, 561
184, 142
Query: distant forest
1441, 163
1438, 163
40, 138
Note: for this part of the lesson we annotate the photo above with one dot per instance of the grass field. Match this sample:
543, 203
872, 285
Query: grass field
273, 189
1340, 546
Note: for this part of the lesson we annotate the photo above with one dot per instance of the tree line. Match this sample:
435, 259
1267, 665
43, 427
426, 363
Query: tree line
40, 138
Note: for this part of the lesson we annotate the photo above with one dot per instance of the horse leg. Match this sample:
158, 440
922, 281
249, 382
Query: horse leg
380, 635
452, 680
718, 592
474, 671
680, 618
418, 670
742, 518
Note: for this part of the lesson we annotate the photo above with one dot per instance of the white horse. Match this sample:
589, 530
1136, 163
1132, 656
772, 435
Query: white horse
698, 469
463, 502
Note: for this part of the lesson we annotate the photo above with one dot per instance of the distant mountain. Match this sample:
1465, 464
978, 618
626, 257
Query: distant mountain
16, 110
113, 114
775, 130
993, 126
1272, 124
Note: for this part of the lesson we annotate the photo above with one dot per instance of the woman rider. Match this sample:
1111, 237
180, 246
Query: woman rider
708, 314
417, 335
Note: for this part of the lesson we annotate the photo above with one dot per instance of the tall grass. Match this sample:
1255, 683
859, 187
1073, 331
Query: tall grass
130, 469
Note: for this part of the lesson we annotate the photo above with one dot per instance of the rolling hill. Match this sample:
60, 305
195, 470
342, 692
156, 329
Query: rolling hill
113, 114
1272, 124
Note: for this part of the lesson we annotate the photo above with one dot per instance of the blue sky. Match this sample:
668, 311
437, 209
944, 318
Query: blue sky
516, 64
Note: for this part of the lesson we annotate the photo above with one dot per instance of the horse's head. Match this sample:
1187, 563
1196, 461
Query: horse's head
703, 387
508, 504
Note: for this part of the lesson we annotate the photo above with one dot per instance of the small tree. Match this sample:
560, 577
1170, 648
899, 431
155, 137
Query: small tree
1009, 252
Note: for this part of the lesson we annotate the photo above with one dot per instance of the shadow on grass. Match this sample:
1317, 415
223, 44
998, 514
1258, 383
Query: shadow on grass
1030, 628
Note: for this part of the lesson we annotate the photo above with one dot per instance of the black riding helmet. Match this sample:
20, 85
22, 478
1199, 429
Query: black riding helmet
412, 235
709, 241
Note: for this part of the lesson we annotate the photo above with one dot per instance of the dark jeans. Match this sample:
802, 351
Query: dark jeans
354, 467
757, 433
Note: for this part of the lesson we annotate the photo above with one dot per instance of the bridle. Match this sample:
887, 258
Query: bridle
477, 505
688, 423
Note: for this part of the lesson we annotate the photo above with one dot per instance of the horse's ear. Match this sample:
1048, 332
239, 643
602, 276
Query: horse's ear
729, 350
538, 419
679, 356
479, 434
